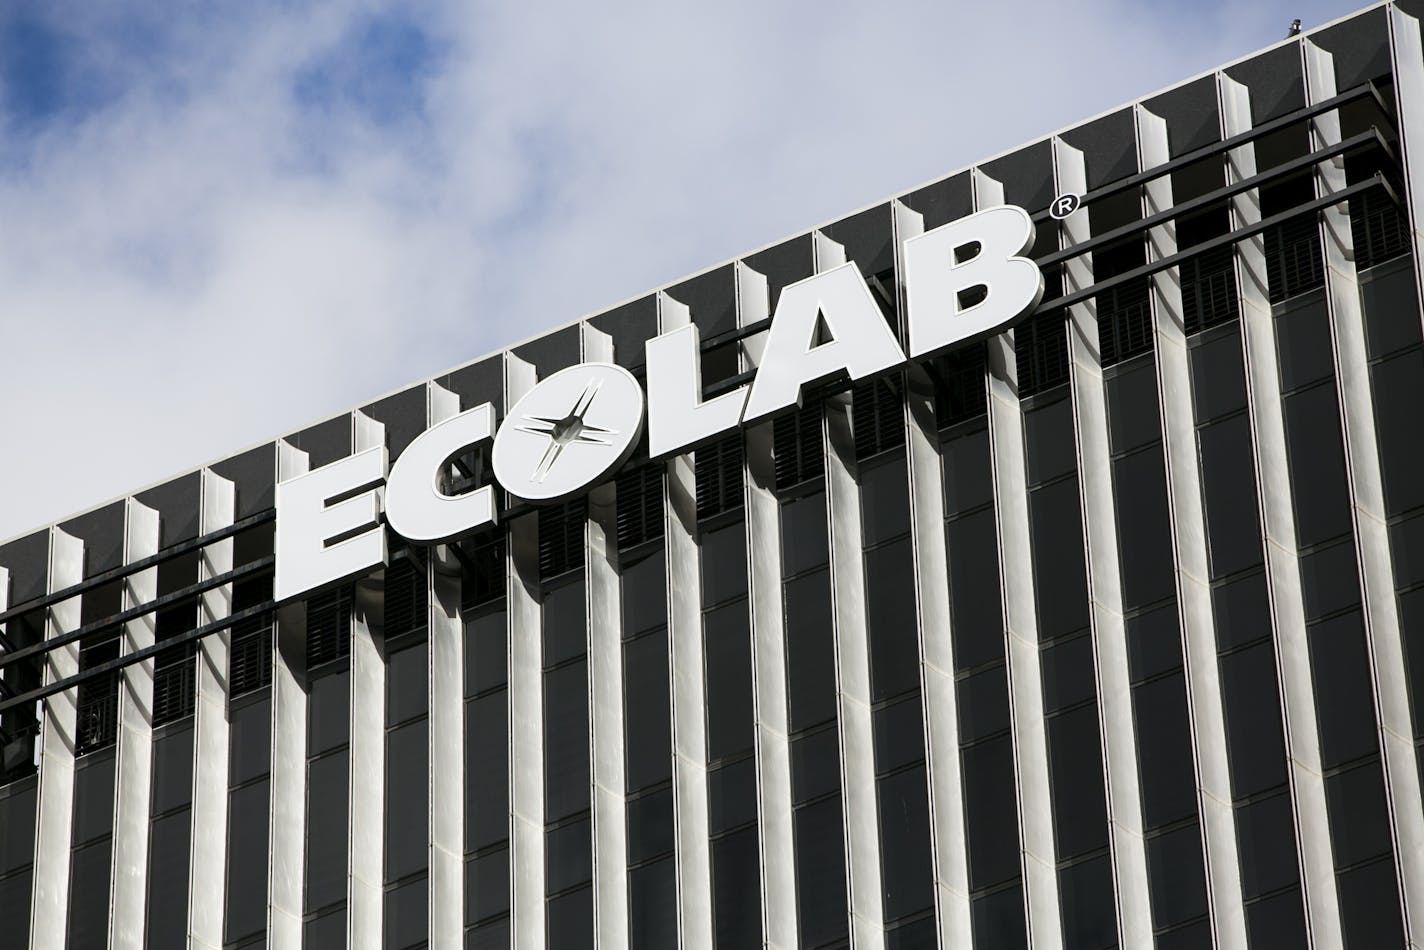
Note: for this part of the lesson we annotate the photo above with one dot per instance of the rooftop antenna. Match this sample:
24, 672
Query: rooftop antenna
1294, 28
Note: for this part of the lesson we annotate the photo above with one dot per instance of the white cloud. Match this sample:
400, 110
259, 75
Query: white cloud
202, 259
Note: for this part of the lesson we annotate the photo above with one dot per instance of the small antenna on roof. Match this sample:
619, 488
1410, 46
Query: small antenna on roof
1294, 28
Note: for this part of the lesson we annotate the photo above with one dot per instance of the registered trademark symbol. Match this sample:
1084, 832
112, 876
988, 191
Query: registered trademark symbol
1064, 205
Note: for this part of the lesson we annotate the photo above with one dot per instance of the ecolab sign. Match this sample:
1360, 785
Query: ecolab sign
575, 428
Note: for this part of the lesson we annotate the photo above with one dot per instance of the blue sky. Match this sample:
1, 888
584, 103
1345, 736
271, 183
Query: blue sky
220, 222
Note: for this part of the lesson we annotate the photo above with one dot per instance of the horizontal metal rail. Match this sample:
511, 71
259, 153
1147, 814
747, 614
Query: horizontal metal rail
138, 656
1122, 184
262, 566
124, 570
1265, 224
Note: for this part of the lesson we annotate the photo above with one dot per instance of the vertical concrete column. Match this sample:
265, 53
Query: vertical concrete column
287, 835
447, 724
1263, 386
773, 750
134, 754
1407, 53
207, 856
1357, 412
1035, 806
605, 694
852, 654
49, 905
688, 692
366, 867
949, 844
1090, 429
526, 705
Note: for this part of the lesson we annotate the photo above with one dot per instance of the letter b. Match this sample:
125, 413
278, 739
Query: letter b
967, 279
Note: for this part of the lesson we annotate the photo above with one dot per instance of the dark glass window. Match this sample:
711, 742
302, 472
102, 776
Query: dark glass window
1164, 748
1317, 465
803, 533
1229, 495
486, 770
998, 919
1060, 578
992, 824
1253, 720
890, 614
648, 749
407, 803
1086, 892
820, 872
327, 829
1178, 880
652, 906
724, 563
1076, 772
168, 847
566, 740
810, 650
247, 861
905, 859
727, 645
736, 891
568, 855
975, 605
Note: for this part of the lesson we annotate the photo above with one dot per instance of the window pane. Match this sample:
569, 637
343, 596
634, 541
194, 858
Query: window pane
884, 501
568, 855
727, 642
650, 831
327, 829
731, 795
407, 684
566, 740
1060, 579
247, 861
1178, 881
407, 800
820, 872
736, 891
905, 858
1266, 839
486, 770
890, 616
168, 880
648, 723
487, 885
1076, 773
406, 916
652, 906
810, 650
724, 563
975, 608
1088, 914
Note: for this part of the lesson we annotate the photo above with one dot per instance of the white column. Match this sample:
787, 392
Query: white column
1263, 385
942, 765
1035, 807
689, 731
1407, 53
134, 755
853, 719
605, 694
1193, 570
447, 725
366, 868
1357, 413
526, 706
287, 832
775, 820
207, 859
1090, 428
49, 906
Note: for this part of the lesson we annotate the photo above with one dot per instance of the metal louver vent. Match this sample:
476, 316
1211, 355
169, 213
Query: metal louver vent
1378, 229
561, 537
406, 596
97, 703
719, 476
483, 577
799, 450
249, 662
961, 387
1209, 290
175, 683
329, 627
640, 506
877, 416
1125, 321
1293, 257
1041, 352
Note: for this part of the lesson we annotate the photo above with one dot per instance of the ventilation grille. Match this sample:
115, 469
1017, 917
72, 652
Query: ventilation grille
329, 627
175, 683
483, 577
719, 476
878, 416
561, 537
249, 662
1378, 229
640, 506
1041, 352
406, 596
1293, 257
1125, 321
799, 451
97, 703
1209, 290
961, 384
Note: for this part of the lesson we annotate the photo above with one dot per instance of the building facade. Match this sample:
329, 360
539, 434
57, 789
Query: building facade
1103, 631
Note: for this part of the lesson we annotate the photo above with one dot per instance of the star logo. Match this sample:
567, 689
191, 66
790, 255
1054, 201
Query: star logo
572, 429
569, 432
